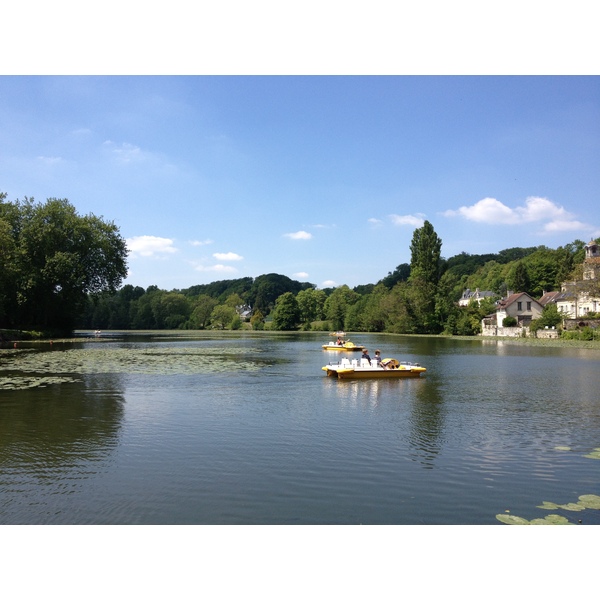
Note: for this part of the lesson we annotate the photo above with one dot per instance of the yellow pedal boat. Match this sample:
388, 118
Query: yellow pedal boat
390, 368
345, 347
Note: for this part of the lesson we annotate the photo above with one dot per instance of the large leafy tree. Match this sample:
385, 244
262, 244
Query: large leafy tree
286, 314
311, 303
58, 258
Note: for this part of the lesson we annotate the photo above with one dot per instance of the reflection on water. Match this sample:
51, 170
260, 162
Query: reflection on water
53, 441
248, 429
427, 423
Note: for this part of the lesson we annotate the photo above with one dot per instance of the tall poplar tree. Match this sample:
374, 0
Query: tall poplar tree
425, 250
425, 273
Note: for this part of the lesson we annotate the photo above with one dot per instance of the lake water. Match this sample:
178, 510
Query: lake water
243, 428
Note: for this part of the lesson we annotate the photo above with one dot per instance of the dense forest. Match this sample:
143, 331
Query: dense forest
420, 297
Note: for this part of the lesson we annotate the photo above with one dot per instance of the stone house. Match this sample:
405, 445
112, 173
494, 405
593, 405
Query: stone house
521, 306
578, 298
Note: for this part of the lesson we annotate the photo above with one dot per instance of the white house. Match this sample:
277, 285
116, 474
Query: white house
476, 296
578, 298
521, 306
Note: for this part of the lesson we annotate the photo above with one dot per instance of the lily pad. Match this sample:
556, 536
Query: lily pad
512, 520
569, 506
551, 520
590, 501
548, 505
164, 360
595, 454
24, 383
563, 448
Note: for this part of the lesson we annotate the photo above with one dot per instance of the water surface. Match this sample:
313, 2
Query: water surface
246, 429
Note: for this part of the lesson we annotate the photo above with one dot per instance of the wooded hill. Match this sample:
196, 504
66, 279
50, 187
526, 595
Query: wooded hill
400, 302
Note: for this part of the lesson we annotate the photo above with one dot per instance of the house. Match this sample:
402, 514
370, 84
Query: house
549, 297
578, 298
244, 311
521, 306
476, 296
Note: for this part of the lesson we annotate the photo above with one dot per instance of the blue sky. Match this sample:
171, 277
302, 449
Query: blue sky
320, 178
303, 139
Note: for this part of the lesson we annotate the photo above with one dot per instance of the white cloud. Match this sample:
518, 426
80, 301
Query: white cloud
125, 153
488, 210
329, 283
535, 209
215, 268
556, 226
227, 256
50, 160
149, 246
200, 243
412, 220
375, 222
301, 275
299, 235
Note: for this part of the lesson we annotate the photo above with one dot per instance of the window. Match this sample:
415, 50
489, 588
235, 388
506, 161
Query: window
529, 306
519, 306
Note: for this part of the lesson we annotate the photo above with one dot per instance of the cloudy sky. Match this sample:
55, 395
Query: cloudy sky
322, 177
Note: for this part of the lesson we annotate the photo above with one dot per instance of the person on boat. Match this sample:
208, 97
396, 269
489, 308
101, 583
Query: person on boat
365, 354
378, 357
339, 342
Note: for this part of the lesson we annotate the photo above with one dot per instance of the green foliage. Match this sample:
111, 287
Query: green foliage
52, 259
400, 273
311, 303
509, 322
286, 315
222, 316
425, 249
257, 320
550, 317
518, 278
336, 306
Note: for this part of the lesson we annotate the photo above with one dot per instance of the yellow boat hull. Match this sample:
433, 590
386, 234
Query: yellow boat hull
346, 347
373, 373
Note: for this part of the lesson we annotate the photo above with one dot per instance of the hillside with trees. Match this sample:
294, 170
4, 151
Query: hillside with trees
420, 297
60, 271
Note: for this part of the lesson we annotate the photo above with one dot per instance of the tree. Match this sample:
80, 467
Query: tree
425, 273
337, 303
203, 306
311, 303
59, 257
286, 314
257, 321
519, 280
222, 316
425, 250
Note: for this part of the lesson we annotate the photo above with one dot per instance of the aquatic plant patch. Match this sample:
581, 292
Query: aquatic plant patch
587, 501
23, 383
135, 360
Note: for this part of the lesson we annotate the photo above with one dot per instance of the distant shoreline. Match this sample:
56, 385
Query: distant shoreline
108, 335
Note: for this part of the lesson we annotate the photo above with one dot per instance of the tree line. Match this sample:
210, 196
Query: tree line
420, 297
60, 271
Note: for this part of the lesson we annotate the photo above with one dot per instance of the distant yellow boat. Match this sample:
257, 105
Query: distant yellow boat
346, 346
390, 368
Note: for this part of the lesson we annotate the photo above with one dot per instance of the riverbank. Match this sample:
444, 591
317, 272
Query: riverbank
84, 335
